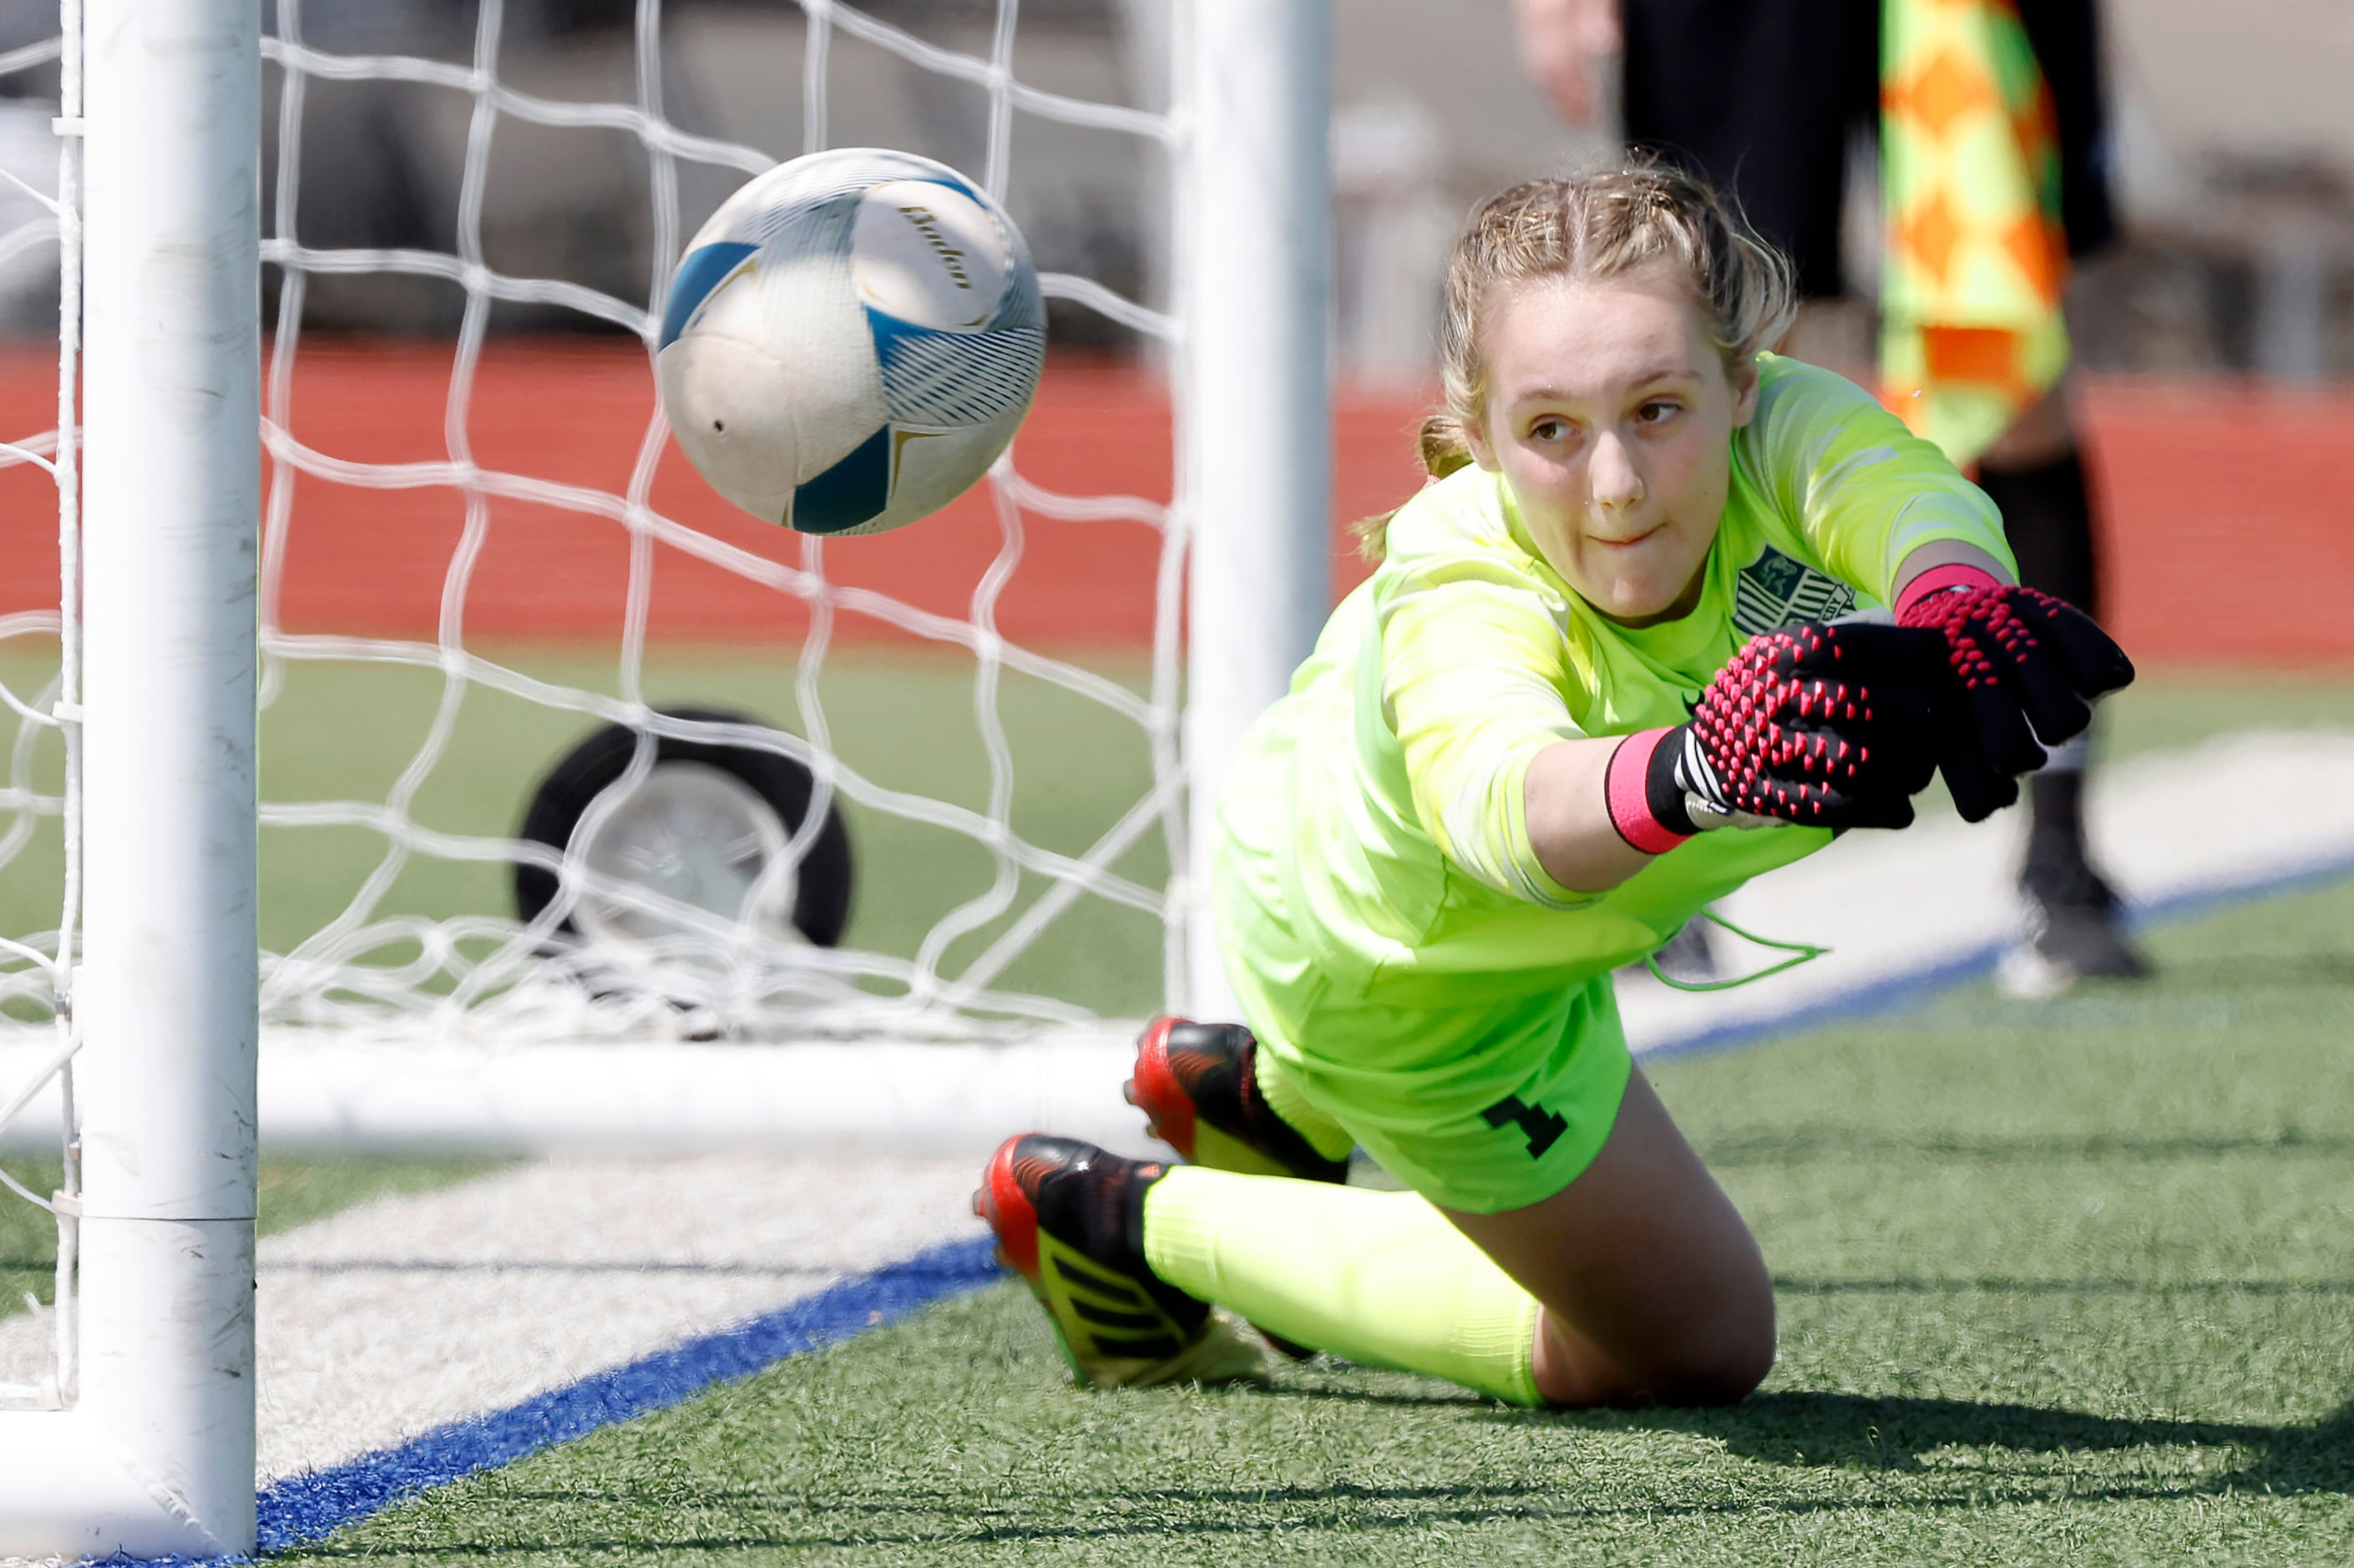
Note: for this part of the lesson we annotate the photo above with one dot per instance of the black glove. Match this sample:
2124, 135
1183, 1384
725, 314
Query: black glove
2026, 667
1828, 726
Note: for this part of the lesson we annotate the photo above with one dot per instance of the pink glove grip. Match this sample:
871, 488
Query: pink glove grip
1625, 786
1936, 580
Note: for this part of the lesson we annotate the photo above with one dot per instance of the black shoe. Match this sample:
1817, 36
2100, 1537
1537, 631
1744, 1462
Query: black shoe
1197, 1085
1069, 1219
2075, 928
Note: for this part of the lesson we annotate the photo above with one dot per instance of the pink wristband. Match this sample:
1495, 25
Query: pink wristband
1625, 786
1936, 580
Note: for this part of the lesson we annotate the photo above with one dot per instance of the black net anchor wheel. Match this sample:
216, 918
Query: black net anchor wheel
707, 820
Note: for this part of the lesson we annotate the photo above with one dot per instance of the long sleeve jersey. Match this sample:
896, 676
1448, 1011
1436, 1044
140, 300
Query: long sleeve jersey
1374, 847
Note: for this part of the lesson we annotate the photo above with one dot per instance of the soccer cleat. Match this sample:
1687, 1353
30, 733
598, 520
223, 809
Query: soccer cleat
2075, 931
2073, 928
1197, 1085
1069, 1219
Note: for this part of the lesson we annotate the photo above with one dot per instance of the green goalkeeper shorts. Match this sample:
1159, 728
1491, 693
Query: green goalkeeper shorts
1489, 1108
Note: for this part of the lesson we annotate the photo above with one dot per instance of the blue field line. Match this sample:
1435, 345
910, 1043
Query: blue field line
1915, 986
308, 1506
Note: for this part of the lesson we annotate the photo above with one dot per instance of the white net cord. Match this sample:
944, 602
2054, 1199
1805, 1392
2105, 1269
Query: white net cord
485, 976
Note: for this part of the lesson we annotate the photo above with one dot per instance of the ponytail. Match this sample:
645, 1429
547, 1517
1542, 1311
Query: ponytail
1440, 442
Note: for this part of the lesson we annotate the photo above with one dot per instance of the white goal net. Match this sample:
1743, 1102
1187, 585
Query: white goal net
685, 885
664, 904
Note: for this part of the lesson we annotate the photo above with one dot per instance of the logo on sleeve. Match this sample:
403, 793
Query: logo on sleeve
1774, 590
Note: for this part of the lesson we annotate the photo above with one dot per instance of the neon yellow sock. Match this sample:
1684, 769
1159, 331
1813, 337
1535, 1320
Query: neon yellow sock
1379, 1277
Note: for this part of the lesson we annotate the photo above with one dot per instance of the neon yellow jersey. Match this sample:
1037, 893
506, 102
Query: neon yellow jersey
1373, 853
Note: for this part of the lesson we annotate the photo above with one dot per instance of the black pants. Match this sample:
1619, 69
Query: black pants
1764, 96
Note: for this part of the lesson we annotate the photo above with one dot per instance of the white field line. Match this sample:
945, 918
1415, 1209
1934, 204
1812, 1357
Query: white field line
386, 1320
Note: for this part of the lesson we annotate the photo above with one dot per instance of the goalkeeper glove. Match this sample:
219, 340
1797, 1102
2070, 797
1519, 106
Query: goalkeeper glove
1828, 726
2029, 666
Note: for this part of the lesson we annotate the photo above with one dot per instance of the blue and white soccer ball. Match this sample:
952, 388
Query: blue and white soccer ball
850, 341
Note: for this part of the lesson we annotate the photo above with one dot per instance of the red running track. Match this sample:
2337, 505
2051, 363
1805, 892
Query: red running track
2231, 510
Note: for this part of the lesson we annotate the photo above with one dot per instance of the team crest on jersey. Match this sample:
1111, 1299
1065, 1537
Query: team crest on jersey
1774, 590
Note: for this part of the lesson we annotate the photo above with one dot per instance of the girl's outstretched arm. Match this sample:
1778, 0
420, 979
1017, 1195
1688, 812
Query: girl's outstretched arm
1948, 553
1569, 817
1825, 726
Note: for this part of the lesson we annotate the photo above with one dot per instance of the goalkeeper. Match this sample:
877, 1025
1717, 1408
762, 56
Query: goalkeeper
1599, 680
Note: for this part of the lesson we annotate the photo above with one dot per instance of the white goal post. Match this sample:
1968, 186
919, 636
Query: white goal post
152, 1451
141, 1440
1255, 431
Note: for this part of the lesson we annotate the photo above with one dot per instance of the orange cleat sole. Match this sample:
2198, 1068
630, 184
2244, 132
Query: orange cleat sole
1154, 1090
1000, 1202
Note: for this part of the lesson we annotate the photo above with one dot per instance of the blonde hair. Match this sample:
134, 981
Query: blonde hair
1595, 227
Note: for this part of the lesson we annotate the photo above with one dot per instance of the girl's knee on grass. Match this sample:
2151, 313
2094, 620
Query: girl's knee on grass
1653, 1290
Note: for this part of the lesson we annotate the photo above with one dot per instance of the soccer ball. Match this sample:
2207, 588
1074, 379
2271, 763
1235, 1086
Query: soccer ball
850, 341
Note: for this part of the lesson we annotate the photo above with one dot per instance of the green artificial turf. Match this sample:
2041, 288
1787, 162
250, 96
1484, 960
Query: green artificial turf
297, 1191
2060, 1282
903, 721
